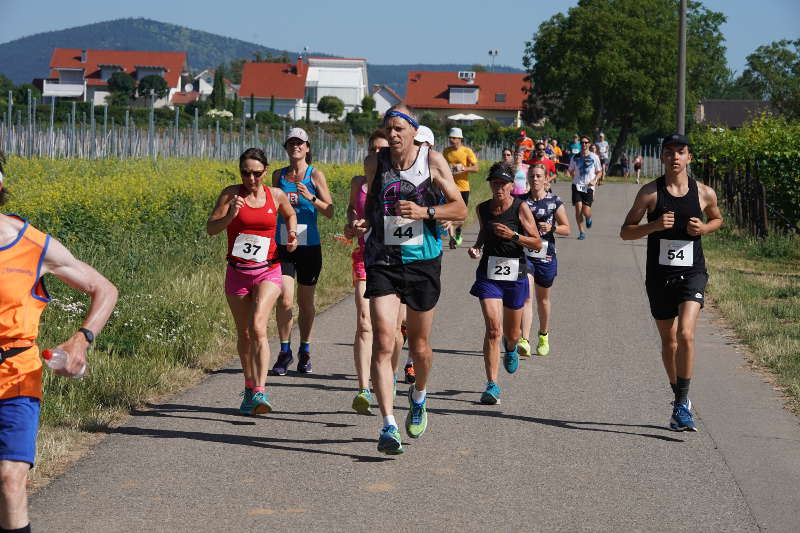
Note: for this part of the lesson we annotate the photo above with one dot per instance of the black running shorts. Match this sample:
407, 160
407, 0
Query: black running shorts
585, 197
418, 284
666, 295
305, 263
465, 197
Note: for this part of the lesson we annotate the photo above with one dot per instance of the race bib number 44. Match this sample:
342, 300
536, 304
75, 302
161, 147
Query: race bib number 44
675, 253
251, 247
402, 231
502, 268
302, 235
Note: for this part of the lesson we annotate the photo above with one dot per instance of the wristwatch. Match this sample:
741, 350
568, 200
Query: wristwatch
515, 237
431, 212
88, 334
313, 199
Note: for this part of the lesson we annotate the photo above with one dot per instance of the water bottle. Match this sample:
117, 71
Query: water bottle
57, 359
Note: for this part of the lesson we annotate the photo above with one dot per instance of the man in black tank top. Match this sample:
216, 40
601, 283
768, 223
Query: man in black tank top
676, 273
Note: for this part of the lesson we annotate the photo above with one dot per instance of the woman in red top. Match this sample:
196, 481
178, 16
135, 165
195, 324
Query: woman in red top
253, 280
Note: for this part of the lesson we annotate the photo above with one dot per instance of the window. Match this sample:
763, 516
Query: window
464, 95
499, 97
310, 96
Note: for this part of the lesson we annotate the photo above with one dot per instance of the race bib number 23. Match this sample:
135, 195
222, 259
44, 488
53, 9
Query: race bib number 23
502, 268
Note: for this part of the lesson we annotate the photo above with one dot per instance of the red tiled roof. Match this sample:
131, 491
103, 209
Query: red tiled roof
183, 97
430, 90
281, 80
173, 62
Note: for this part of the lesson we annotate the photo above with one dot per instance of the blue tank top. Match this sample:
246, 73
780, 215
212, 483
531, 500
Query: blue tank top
307, 231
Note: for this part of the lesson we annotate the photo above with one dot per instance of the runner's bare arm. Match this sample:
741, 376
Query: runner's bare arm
289, 215
644, 202
454, 207
370, 168
532, 240
324, 202
708, 198
102, 294
474, 166
562, 222
225, 210
355, 185
475, 251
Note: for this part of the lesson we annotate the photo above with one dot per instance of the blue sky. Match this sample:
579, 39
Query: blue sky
431, 31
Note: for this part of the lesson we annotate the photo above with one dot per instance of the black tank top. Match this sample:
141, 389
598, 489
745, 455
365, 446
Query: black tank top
494, 246
673, 252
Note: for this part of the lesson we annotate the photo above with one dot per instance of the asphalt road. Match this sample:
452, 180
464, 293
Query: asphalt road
580, 441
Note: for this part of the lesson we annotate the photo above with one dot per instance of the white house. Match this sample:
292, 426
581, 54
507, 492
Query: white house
385, 97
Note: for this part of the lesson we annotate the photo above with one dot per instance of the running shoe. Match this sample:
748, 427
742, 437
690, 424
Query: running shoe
281, 365
417, 417
453, 244
544, 345
524, 347
389, 441
362, 403
491, 395
304, 363
682, 419
511, 360
247, 402
458, 238
411, 374
581, 236
588, 222
261, 404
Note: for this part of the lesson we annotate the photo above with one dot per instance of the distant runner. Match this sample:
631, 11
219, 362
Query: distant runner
676, 270
525, 144
462, 162
604, 154
585, 170
501, 280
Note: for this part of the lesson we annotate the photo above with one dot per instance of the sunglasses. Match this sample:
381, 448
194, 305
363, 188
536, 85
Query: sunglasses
255, 173
585, 142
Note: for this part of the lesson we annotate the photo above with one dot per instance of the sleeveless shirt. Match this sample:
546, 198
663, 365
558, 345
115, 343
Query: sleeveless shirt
307, 230
253, 221
495, 246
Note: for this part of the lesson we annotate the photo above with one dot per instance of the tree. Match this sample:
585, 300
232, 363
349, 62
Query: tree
610, 64
478, 68
5, 86
218, 91
331, 106
21, 93
122, 87
367, 104
154, 83
773, 73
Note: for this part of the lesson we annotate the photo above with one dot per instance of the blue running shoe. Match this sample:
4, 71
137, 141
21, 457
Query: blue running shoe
581, 236
511, 360
389, 441
281, 365
304, 363
588, 222
417, 417
682, 419
246, 406
491, 395
261, 404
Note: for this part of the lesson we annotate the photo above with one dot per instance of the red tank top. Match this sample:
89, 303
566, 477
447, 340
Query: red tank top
251, 235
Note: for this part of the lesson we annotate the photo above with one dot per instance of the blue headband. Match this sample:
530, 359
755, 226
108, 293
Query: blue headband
400, 114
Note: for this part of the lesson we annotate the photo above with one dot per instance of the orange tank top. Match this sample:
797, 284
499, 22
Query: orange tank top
23, 297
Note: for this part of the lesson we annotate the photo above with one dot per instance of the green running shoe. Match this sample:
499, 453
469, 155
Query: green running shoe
458, 238
246, 406
261, 404
544, 345
417, 417
524, 347
389, 441
362, 403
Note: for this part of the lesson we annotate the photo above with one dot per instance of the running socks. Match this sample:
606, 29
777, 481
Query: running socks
305, 346
389, 420
256, 390
249, 384
682, 393
418, 395
674, 387
286, 345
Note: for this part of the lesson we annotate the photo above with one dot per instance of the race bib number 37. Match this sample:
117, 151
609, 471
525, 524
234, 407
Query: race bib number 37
675, 253
401, 231
251, 247
502, 268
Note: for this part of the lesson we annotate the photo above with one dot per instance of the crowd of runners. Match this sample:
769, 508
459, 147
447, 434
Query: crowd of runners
409, 198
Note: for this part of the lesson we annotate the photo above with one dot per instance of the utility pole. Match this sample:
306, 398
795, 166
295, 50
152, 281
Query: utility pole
681, 107
492, 55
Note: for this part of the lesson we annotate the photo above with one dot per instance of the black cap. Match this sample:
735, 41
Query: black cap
500, 175
675, 138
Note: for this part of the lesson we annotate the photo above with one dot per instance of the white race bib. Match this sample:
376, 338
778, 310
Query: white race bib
581, 187
251, 247
302, 234
401, 231
675, 253
502, 268
541, 254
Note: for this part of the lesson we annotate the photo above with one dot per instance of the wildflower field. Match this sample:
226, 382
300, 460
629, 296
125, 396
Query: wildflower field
142, 224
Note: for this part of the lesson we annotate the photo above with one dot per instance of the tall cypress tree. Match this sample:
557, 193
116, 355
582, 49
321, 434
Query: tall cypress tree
218, 93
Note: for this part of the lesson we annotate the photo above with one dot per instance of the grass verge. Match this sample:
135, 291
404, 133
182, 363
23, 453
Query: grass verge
755, 283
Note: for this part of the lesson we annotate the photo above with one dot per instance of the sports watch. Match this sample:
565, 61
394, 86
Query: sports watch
88, 334
431, 212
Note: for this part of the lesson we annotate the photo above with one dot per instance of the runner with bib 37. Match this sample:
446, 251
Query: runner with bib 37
676, 270
501, 280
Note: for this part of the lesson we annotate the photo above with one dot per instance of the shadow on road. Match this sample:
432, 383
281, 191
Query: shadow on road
170, 410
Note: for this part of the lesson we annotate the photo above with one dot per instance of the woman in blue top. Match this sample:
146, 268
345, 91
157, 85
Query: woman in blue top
308, 193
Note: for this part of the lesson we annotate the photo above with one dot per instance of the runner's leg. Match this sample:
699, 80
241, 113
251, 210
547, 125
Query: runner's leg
492, 309
542, 307
362, 344
579, 216
284, 316
383, 313
419, 325
263, 300
241, 306
13, 496
668, 331
527, 310
687, 322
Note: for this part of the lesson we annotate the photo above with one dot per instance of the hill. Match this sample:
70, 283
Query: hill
24, 59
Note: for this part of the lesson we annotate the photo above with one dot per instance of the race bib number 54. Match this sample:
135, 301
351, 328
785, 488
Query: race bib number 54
401, 231
251, 247
502, 268
675, 253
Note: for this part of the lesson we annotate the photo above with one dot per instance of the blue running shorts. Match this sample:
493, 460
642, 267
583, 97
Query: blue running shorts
19, 423
513, 293
543, 273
